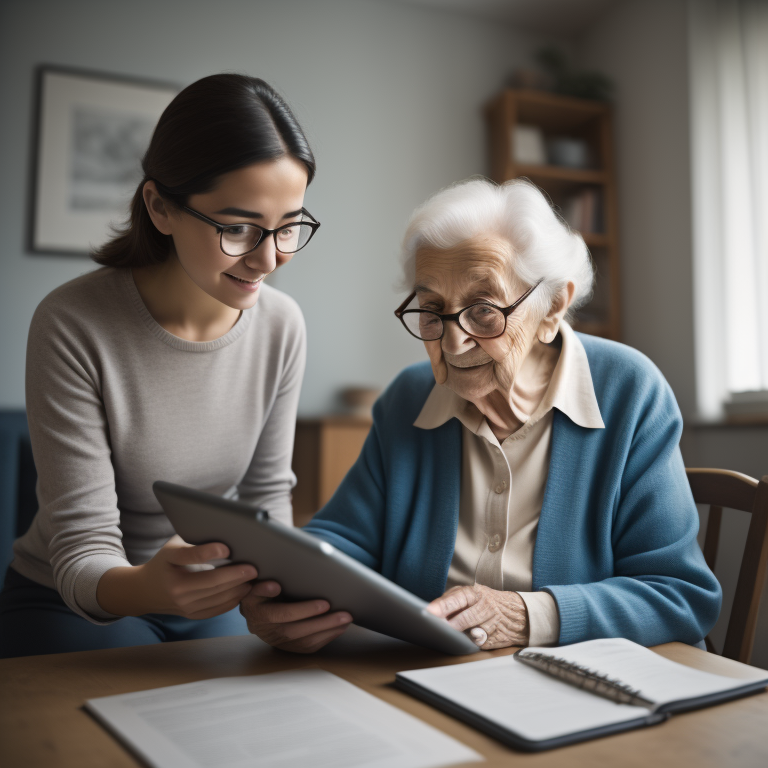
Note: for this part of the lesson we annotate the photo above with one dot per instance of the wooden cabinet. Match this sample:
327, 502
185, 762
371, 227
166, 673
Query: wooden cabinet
324, 450
559, 117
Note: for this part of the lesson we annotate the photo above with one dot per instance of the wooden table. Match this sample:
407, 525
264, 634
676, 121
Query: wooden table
42, 723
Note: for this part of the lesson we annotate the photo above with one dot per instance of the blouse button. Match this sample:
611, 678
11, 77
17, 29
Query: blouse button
501, 487
494, 543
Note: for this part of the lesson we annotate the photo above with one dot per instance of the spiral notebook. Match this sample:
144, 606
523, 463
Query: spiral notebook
542, 698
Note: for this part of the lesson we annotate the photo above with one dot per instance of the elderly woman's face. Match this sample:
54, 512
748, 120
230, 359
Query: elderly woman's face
474, 271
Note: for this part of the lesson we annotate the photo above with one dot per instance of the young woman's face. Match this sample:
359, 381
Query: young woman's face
268, 194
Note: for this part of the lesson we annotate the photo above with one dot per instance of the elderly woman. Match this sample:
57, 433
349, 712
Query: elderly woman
528, 481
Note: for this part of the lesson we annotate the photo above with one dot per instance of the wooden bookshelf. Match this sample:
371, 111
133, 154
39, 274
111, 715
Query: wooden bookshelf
324, 450
591, 122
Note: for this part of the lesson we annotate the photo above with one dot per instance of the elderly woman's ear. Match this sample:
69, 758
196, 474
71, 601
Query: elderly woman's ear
550, 325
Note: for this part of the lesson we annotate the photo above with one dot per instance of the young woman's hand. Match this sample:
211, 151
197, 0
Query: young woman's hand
164, 584
302, 627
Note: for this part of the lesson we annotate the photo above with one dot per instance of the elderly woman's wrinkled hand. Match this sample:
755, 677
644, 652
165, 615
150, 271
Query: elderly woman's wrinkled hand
495, 619
302, 627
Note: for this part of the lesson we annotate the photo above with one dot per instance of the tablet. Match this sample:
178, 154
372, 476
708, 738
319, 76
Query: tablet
307, 567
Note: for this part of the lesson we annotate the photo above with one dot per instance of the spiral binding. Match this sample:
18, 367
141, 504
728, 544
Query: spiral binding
584, 678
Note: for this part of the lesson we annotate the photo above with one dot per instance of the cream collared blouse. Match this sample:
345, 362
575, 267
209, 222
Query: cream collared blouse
502, 484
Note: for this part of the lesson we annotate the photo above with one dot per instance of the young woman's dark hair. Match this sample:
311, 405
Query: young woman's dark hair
216, 125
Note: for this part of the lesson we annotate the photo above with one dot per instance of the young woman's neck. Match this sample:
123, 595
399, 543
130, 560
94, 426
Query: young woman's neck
179, 305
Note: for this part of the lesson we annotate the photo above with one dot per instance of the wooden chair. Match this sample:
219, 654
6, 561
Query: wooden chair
723, 488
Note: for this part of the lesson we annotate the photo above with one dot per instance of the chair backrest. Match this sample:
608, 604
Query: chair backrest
723, 488
18, 502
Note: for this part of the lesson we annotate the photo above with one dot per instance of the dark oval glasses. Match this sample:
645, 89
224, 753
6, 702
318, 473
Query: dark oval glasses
482, 320
239, 239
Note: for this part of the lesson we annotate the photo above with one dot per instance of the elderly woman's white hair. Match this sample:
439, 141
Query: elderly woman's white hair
543, 246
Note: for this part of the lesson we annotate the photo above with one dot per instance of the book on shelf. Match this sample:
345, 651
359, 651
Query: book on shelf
528, 145
542, 698
583, 211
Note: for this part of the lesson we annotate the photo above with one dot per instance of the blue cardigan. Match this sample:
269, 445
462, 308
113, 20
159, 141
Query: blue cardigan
616, 542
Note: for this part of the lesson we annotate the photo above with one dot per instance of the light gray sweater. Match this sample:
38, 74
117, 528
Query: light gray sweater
116, 402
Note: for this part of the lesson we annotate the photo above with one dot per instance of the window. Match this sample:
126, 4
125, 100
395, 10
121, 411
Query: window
729, 127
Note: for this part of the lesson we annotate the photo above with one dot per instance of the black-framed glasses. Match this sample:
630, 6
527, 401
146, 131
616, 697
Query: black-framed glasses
239, 239
482, 320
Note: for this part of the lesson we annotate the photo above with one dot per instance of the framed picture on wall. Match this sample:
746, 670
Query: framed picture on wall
92, 131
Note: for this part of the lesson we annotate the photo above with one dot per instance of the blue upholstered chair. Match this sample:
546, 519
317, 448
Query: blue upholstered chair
18, 502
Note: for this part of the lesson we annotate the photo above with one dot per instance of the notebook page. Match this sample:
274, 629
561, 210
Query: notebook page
278, 720
657, 678
524, 700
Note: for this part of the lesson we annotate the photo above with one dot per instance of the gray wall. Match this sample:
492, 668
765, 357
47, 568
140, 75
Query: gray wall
643, 45
390, 96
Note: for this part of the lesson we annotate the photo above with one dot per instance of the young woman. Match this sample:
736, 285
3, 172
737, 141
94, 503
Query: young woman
173, 362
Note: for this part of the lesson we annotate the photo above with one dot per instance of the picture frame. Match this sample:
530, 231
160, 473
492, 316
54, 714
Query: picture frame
92, 130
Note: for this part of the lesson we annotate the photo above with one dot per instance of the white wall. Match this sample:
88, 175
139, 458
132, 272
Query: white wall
390, 96
643, 46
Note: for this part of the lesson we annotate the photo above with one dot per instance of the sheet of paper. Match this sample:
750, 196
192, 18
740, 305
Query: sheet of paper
523, 699
657, 678
301, 718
